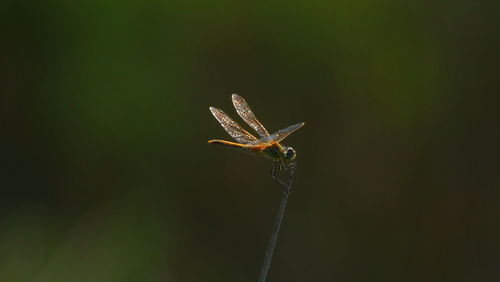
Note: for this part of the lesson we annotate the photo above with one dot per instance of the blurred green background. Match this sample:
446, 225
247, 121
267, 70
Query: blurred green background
106, 174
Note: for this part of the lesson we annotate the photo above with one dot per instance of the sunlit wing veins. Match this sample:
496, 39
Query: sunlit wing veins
248, 116
232, 128
280, 135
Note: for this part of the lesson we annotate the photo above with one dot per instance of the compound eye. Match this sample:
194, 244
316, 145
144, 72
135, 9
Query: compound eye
290, 153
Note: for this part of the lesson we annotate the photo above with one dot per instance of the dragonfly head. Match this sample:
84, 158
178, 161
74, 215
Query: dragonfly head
289, 154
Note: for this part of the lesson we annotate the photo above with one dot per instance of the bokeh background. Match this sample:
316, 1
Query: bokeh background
106, 174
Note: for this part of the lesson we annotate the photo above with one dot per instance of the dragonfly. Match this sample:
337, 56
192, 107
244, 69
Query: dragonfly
267, 145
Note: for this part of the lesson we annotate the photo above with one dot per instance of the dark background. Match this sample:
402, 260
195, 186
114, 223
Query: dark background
106, 174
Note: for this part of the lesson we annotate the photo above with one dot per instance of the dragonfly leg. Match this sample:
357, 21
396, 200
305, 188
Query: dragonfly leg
273, 173
281, 166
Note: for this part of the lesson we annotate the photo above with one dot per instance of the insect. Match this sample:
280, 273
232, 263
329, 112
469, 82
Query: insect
268, 145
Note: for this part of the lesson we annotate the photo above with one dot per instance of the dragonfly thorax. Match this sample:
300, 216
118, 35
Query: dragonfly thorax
276, 151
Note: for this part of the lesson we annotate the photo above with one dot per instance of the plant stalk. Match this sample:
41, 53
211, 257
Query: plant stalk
277, 225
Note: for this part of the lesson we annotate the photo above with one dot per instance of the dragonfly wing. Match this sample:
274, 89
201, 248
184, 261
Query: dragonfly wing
232, 128
248, 116
280, 135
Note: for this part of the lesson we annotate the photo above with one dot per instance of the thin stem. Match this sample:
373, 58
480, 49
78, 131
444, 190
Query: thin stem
277, 224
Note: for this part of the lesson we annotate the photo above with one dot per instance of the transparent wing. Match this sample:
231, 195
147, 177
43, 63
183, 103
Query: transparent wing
248, 116
232, 128
280, 135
